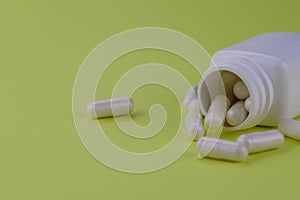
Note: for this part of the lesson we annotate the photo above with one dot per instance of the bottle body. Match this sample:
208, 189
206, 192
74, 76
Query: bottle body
269, 65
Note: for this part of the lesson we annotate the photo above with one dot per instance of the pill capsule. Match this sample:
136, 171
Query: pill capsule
236, 114
216, 113
240, 90
247, 104
227, 82
194, 126
191, 117
110, 107
261, 141
193, 106
290, 128
221, 149
195, 130
190, 96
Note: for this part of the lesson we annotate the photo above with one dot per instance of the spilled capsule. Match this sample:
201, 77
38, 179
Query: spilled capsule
215, 116
290, 128
221, 149
261, 141
190, 96
193, 106
110, 107
236, 114
194, 126
195, 130
192, 117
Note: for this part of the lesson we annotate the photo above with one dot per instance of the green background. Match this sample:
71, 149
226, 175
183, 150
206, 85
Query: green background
43, 44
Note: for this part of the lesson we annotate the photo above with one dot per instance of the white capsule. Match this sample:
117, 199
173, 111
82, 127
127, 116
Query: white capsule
236, 114
216, 113
290, 128
221, 149
240, 90
227, 82
110, 107
261, 141
191, 117
190, 96
194, 126
195, 130
247, 104
193, 106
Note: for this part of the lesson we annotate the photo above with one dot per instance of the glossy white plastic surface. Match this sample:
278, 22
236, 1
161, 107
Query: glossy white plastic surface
269, 65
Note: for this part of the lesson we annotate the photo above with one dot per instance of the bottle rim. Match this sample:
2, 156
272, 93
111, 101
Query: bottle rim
258, 83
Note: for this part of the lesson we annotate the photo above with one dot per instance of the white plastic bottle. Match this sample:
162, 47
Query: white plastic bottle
269, 65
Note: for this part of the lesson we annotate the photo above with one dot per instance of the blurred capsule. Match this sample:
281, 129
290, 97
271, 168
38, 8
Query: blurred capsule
193, 106
290, 128
195, 130
190, 96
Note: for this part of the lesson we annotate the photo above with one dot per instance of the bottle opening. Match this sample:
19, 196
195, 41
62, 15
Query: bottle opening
239, 88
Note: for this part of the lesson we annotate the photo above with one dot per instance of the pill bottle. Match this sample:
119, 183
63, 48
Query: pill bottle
269, 65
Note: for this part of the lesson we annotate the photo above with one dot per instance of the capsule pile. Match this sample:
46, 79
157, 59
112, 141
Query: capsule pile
221, 111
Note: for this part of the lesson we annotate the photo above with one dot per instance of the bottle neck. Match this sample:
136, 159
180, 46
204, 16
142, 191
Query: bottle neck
255, 78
